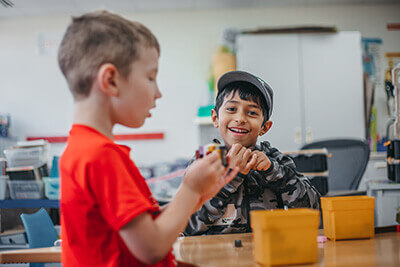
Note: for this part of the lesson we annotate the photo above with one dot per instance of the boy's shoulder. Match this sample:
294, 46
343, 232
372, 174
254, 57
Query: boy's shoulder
87, 141
267, 148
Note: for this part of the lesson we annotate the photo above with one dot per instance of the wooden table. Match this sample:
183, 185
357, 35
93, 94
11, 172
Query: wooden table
48, 254
219, 250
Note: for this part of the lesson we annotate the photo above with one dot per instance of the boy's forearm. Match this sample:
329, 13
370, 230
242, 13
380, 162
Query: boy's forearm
311, 197
174, 218
150, 240
205, 217
213, 209
283, 179
296, 190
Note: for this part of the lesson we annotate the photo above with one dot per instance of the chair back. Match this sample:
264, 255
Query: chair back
39, 229
347, 164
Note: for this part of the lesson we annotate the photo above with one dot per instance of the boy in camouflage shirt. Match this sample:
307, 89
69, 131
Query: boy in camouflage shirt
267, 179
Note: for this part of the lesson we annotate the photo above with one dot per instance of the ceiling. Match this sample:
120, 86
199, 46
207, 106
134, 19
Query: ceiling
15, 8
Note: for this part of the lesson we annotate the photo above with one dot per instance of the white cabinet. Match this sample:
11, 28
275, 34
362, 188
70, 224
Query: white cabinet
387, 201
317, 81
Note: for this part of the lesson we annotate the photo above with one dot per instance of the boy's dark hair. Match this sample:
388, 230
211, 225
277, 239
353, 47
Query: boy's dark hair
96, 38
246, 91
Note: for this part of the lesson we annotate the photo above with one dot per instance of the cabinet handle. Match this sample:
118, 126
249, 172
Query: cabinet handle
309, 135
297, 135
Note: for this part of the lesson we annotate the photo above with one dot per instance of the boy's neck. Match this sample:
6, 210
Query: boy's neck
95, 115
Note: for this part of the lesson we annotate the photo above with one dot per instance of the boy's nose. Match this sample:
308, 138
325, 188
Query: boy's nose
240, 118
158, 93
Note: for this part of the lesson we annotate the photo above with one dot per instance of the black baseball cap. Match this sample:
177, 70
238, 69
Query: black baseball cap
242, 76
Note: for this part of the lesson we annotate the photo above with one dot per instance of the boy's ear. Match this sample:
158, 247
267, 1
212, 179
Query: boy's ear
214, 118
265, 128
107, 77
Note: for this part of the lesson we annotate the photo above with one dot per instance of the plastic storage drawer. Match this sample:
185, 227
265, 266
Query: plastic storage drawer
26, 189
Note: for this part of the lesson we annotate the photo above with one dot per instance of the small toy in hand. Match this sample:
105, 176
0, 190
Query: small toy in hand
207, 149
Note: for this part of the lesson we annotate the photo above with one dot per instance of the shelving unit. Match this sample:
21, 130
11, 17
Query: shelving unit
29, 203
6, 142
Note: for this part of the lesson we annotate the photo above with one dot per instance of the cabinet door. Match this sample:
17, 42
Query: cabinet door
275, 58
333, 85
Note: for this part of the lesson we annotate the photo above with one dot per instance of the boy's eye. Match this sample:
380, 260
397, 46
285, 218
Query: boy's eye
230, 109
253, 113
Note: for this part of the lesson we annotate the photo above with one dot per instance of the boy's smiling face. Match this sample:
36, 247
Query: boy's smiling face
240, 121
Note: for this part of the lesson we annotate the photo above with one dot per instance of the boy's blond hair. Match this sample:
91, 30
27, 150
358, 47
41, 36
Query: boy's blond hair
97, 38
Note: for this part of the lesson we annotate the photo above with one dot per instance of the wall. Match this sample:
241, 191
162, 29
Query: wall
34, 92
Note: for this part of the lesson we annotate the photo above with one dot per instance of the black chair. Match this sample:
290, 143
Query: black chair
347, 163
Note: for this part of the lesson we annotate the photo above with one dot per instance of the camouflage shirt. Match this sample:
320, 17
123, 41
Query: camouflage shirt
280, 186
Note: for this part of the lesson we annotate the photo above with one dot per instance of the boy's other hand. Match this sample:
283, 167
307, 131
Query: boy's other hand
241, 157
206, 176
263, 162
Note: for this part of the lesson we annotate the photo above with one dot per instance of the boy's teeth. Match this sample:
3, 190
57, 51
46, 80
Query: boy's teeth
239, 131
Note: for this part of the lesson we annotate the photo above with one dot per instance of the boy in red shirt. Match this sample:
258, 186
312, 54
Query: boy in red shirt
108, 214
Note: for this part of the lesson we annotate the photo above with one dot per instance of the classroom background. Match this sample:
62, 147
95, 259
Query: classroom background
329, 63
35, 102
35, 95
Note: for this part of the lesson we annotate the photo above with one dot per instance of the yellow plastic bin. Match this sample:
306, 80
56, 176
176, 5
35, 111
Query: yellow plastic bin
349, 217
285, 236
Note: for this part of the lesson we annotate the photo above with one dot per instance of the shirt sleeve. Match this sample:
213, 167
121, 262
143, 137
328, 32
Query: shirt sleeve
203, 219
113, 183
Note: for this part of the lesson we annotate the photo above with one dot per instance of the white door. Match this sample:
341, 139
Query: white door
333, 85
275, 59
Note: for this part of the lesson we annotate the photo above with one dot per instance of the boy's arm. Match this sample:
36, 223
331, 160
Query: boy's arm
294, 189
213, 209
150, 240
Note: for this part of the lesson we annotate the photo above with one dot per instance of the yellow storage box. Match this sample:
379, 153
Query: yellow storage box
349, 217
285, 236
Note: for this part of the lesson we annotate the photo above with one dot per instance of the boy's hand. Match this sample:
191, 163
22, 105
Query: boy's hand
206, 176
263, 162
241, 157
